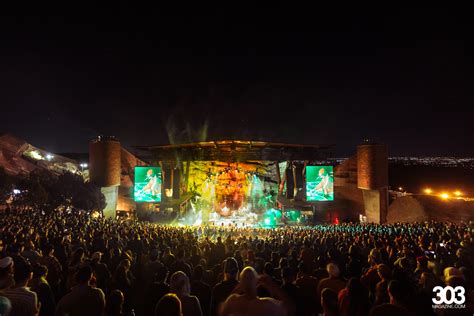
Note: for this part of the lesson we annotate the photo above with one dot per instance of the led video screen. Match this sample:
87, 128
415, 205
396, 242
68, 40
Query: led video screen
319, 183
147, 187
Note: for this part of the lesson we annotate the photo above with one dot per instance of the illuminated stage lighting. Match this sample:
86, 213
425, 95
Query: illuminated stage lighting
237, 190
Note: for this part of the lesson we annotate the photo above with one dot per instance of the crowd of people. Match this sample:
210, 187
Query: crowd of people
72, 263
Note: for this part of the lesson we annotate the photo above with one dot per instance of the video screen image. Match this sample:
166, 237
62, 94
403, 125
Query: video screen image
147, 187
319, 183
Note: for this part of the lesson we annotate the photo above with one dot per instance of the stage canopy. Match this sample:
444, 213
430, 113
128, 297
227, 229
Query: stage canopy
237, 150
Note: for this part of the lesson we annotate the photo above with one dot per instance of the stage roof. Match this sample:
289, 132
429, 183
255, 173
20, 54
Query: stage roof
237, 150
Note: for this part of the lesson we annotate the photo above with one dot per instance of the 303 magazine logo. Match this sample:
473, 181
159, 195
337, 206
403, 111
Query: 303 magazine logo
449, 297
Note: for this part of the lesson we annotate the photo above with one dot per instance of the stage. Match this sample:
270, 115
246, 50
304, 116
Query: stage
236, 183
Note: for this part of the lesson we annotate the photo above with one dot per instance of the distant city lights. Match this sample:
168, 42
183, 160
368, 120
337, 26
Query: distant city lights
457, 193
400, 188
83, 165
467, 163
49, 157
428, 191
444, 196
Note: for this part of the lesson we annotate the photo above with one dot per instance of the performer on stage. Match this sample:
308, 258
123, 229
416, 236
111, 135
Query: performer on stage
153, 185
325, 186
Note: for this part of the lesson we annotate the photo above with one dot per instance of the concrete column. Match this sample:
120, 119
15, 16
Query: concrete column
372, 180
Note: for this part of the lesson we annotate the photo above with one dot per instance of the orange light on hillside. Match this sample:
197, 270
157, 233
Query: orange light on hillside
444, 196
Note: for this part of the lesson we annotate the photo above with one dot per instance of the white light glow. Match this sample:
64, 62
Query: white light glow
36, 155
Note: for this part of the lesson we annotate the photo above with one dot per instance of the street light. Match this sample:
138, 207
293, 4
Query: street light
457, 193
83, 165
400, 188
49, 157
428, 191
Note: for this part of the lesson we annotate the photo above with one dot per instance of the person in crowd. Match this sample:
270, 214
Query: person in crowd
354, 265
218, 251
201, 289
5, 306
223, 289
55, 270
248, 303
293, 292
151, 267
23, 300
370, 277
14, 251
169, 305
333, 282
30, 253
77, 260
405, 258
83, 299
101, 271
180, 264
6, 273
381, 289
123, 280
451, 272
168, 257
421, 266
40, 286
179, 285
463, 258
114, 304
423, 295
309, 288
282, 264
455, 281
353, 299
397, 305
115, 258
329, 302
156, 290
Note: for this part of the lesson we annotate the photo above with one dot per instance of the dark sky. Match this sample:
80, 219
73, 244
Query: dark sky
277, 73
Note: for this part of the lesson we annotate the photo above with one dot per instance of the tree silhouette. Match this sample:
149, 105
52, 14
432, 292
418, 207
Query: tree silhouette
6, 185
50, 191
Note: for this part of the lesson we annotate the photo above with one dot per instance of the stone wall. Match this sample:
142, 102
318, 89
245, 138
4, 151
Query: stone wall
413, 208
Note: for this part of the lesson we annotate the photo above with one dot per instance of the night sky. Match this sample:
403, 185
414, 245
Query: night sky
286, 74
